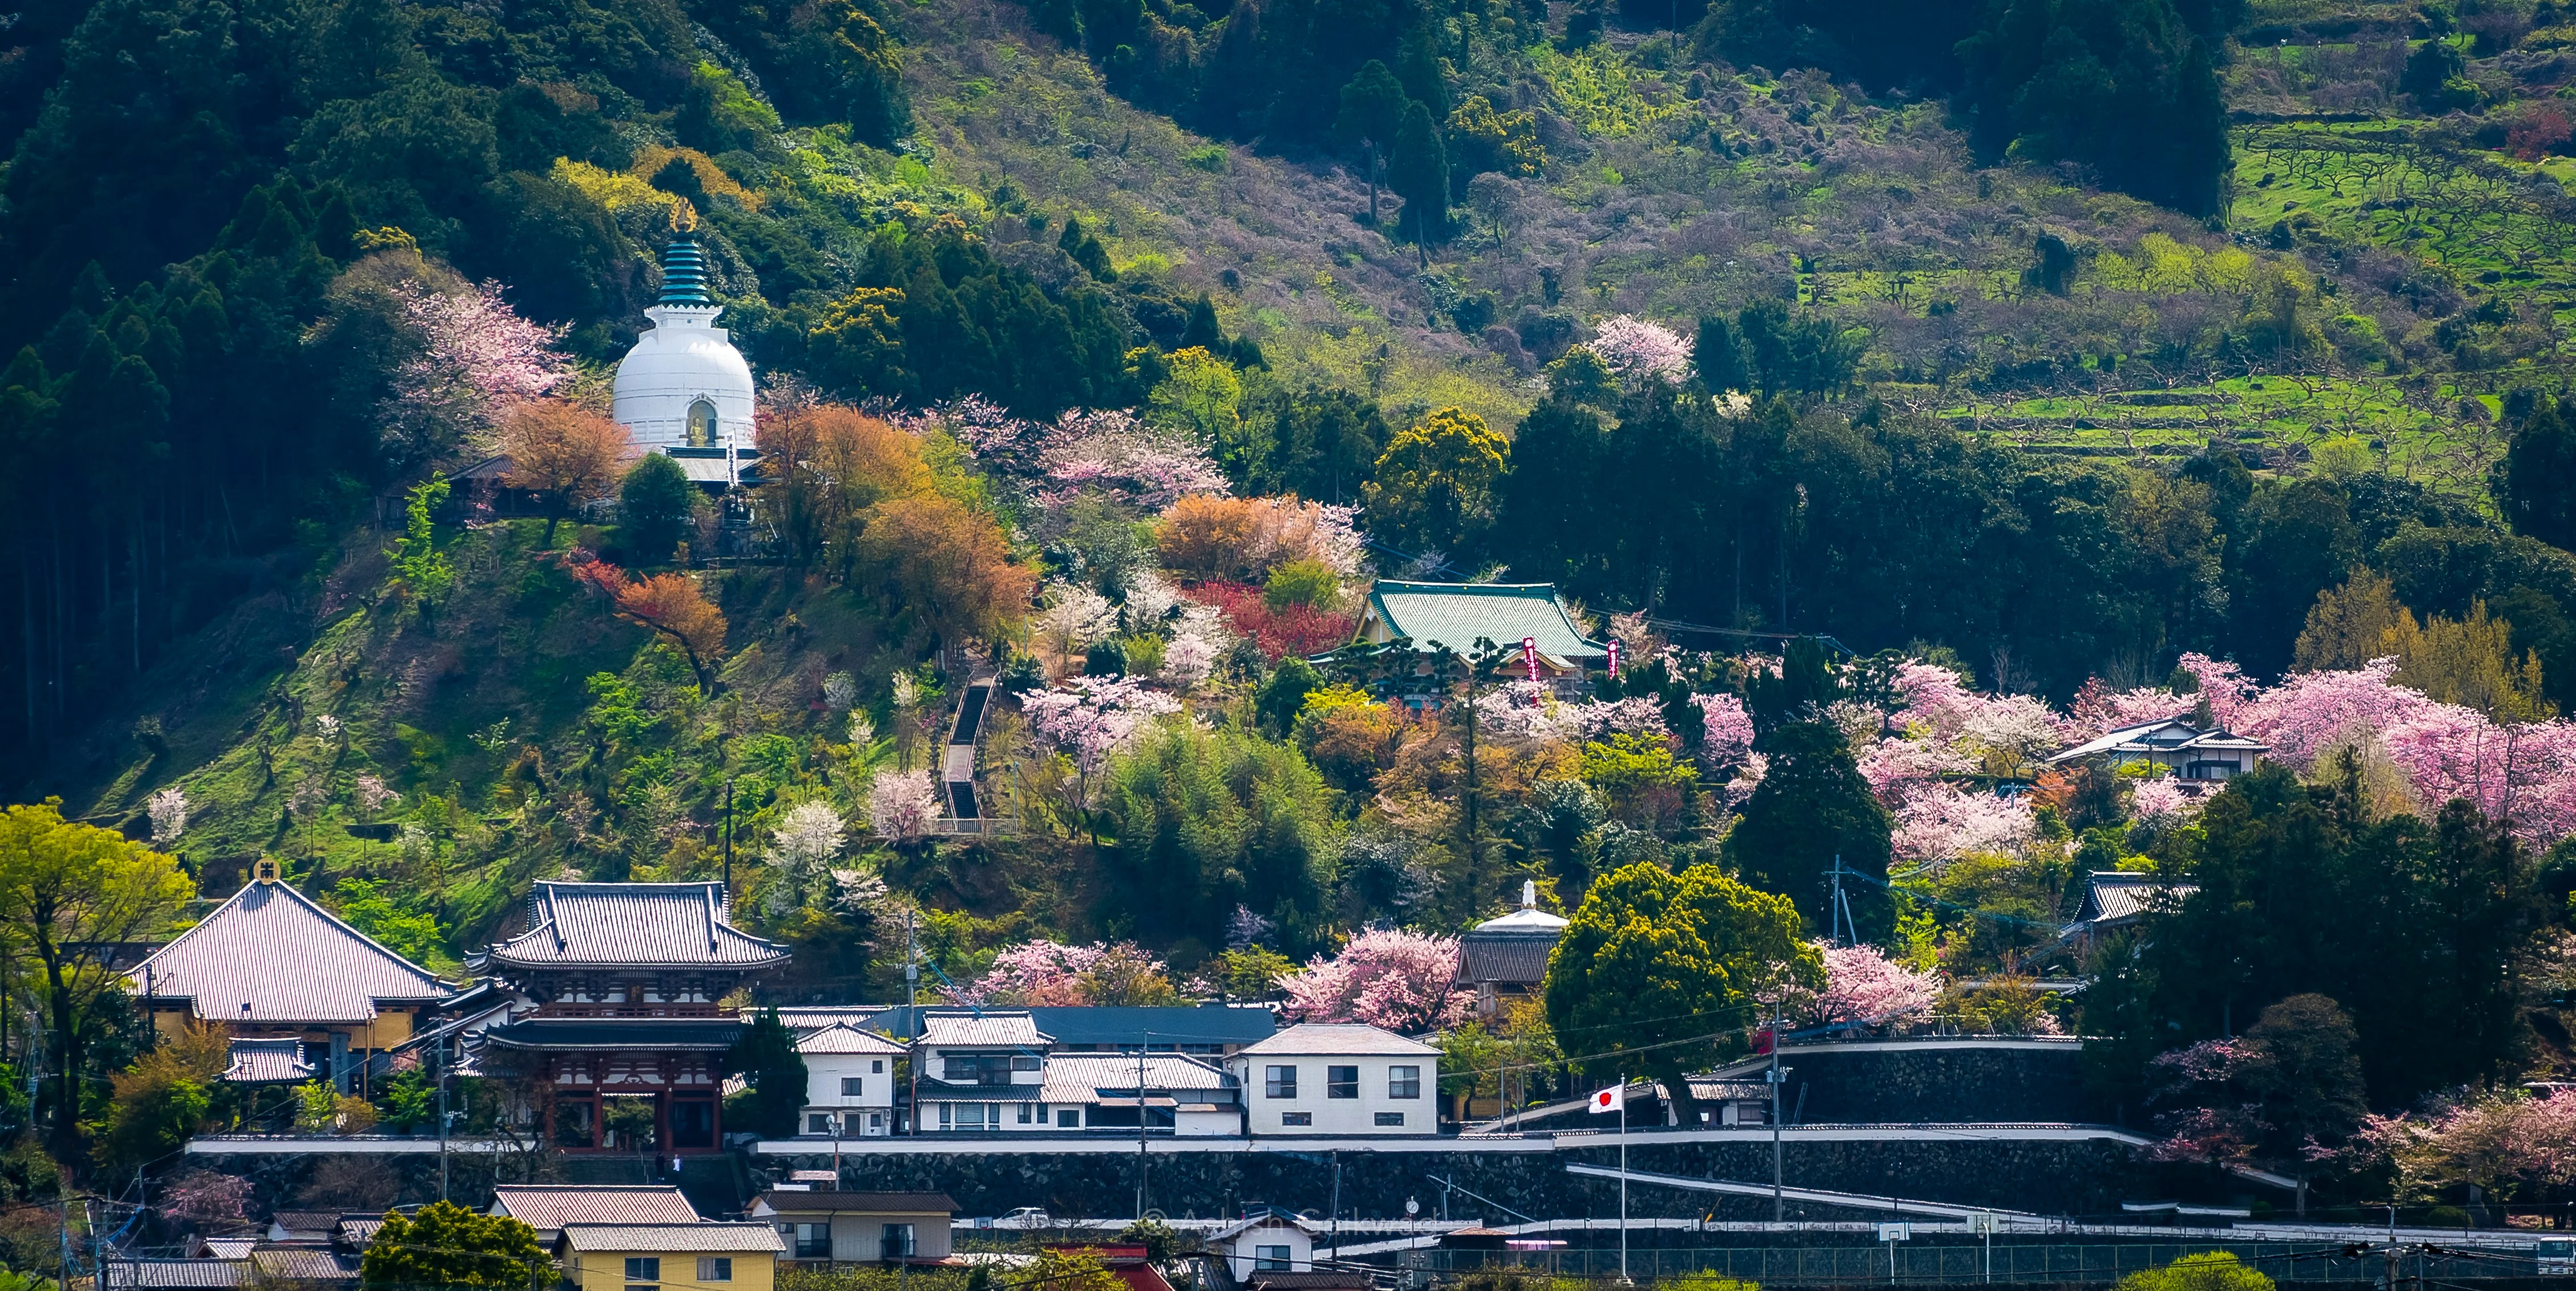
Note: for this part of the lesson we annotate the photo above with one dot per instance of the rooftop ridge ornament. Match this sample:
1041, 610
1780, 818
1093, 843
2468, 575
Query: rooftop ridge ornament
684, 273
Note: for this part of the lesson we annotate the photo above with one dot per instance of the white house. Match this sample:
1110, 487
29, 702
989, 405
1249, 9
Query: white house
1339, 1079
2176, 745
979, 1071
1191, 1097
850, 1078
1268, 1242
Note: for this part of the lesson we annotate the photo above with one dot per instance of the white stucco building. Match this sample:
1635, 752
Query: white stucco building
850, 1078
1265, 1243
684, 389
1339, 1080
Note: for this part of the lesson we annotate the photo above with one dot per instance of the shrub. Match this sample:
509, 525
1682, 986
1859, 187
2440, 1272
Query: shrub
2205, 1271
1301, 582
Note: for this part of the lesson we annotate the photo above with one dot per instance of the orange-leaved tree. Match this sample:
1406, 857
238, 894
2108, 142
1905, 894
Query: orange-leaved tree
672, 605
827, 465
941, 566
571, 454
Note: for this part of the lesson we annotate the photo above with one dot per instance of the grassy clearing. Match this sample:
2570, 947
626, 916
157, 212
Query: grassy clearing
2417, 432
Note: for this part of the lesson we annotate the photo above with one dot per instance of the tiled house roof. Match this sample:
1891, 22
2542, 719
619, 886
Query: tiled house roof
548, 1208
632, 925
271, 955
843, 1038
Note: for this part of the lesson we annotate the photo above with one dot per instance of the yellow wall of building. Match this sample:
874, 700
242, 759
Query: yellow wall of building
606, 1270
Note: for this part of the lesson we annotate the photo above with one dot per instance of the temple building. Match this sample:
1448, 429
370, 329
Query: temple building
684, 389
303, 993
1505, 958
624, 1040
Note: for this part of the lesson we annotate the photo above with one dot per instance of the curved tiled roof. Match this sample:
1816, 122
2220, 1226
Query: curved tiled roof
1456, 614
633, 925
260, 1061
271, 955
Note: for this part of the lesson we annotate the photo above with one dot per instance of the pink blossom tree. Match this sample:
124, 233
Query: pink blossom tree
1939, 823
1401, 981
2488, 1139
1051, 974
901, 804
1638, 351
473, 358
207, 1198
1091, 717
1863, 985
1726, 730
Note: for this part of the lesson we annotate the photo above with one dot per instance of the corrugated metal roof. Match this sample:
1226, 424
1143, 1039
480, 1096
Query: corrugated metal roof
843, 1038
967, 1030
1331, 1039
177, 1273
685, 1239
641, 925
271, 955
887, 1203
259, 1061
313, 1223
226, 1248
1156, 1024
551, 1206
1456, 614
1079, 1077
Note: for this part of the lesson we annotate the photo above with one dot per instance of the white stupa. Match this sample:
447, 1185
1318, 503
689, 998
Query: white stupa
684, 389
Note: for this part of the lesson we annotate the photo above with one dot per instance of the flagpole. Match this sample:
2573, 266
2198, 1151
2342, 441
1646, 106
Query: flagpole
1623, 1176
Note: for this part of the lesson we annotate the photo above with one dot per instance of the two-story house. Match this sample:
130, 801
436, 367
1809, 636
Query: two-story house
1339, 1080
978, 1071
850, 1079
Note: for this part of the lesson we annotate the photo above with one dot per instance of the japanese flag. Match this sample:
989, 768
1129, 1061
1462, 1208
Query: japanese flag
1613, 1099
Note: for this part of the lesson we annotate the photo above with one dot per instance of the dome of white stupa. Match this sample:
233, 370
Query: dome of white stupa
684, 386
1529, 918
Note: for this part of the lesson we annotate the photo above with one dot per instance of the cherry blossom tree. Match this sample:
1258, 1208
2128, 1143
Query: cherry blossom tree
901, 804
1637, 351
1093, 716
1938, 824
473, 359
1401, 981
1726, 730
2163, 801
1051, 974
2487, 1139
169, 811
1863, 985
808, 840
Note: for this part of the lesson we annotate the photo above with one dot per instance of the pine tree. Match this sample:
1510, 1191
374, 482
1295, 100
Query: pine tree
1419, 173
2539, 478
1372, 112
766, 1058
1719, 356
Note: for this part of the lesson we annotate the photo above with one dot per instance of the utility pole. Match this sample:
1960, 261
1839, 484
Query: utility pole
912, 1012
1623, 1177
1779, 1206
1144, 1164
441, 1060
728, 841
